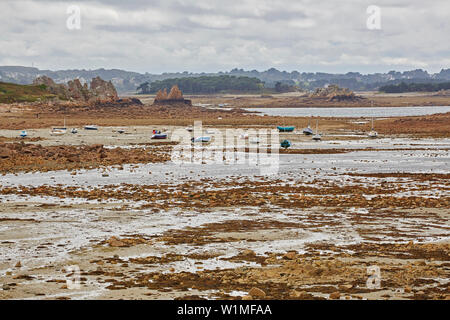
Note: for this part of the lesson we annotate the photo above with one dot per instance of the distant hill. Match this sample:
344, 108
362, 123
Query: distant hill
10, 93
126, 81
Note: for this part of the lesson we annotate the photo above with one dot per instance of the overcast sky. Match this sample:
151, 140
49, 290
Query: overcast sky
208, 35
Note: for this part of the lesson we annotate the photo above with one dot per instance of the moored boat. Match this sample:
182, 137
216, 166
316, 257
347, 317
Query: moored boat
23, 133
159, 136
372, 134
90, 127
204, 139
285, 144
285, 129
58, 131
317, 136
308, 131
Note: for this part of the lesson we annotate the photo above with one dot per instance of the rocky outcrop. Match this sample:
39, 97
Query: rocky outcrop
100, 91
175, 96
103, 90
334, 92
60, 90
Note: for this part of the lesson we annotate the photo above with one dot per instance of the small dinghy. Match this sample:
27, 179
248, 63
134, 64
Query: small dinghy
90, 127
317, 136
159, 136
121, 131
285, 129
285, 144
190, 129
201, 139
23, 134
58, 131
308, 131
372, 134
74, 130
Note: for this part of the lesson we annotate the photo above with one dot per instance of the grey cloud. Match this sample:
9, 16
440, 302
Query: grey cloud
158, 36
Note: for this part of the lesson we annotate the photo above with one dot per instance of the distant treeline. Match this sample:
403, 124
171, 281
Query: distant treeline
205, 85
415, 87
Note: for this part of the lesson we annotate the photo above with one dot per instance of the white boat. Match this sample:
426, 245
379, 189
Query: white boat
372, 134
244, 136
190, 129
308, 131
317, 136
204, 139
58, 131
74, 130
159, 136
90, 127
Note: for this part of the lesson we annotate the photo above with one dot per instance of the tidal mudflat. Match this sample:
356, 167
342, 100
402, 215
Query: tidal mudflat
345, 218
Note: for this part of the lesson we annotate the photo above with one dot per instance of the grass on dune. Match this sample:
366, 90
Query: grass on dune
11, 92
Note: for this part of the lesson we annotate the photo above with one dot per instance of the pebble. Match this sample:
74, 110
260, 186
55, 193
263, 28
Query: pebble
257, 293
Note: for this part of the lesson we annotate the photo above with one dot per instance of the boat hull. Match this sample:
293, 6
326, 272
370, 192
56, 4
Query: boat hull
285, 129
159, 136
308, 131
201, 139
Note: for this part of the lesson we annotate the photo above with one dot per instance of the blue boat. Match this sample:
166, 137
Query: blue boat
285, 144
23, 133
285, 129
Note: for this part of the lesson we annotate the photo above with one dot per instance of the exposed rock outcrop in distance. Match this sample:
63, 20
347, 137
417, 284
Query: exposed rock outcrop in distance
59, 90
334, 92
175, 96
103, 89
100, 91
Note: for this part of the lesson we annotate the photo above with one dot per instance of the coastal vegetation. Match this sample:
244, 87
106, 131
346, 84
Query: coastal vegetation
10, 92
205, 85
415, 87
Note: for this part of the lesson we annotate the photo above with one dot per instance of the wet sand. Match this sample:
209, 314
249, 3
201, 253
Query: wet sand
333, 212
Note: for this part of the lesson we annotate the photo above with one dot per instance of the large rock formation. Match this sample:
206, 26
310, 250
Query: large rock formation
175, 96
59, 90
100, 91
103, 90
334, 92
